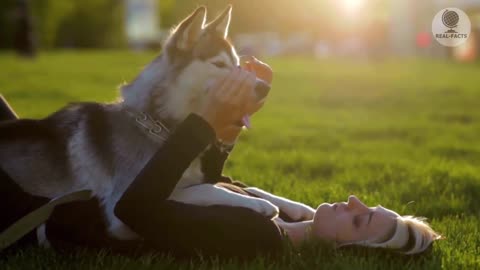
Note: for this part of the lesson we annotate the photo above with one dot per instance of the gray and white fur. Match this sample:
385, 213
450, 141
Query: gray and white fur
98, 147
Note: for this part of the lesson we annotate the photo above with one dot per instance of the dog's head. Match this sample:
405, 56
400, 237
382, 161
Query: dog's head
195, 55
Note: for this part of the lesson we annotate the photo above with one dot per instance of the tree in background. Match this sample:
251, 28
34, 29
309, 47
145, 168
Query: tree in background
92, 23
48, 15
101, 23
281, 16
80, 23
68, 23
24, 36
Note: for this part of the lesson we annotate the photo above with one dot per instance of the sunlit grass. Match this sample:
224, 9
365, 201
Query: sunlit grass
404, 134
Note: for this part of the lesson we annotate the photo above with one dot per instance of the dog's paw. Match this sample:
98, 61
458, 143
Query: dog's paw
264, 207
298, 211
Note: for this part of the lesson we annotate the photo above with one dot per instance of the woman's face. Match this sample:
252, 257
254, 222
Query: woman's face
353, 221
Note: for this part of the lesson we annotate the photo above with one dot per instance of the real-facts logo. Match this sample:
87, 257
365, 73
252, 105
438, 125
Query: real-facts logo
451, 27
450, 19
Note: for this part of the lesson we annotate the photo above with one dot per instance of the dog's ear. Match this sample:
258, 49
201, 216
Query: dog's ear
190, 29
222, 22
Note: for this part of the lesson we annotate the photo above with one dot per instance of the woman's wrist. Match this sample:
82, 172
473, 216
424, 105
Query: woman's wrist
205, 117
229, 135
203, 129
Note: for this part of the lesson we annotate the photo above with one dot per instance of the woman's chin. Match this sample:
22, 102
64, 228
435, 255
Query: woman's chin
322, 222
323, 210
324, 205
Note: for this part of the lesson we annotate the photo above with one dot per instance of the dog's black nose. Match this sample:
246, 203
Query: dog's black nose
261, 89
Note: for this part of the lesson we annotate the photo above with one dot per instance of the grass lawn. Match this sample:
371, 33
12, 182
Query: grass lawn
403, 134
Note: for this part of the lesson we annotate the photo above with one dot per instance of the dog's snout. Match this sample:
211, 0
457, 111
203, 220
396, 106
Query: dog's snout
261, 89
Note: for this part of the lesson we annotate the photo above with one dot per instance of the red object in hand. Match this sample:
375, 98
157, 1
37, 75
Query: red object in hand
262, 70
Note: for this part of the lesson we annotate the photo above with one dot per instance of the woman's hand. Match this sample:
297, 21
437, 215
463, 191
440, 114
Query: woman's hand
233, 97
229, 99
262, 71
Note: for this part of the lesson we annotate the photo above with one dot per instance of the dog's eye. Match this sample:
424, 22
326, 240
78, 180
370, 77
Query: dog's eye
219, 64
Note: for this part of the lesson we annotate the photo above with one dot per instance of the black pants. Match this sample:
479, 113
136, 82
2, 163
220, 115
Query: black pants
186, 229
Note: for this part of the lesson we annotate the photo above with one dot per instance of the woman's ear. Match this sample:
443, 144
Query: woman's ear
221, 24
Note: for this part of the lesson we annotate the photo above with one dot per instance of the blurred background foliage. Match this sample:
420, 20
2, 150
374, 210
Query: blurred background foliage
323, 28
101, 23
71, 23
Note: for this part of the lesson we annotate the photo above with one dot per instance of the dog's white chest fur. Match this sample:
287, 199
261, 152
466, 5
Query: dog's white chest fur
193, 175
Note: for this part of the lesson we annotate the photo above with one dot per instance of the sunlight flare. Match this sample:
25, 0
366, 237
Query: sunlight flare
352, 6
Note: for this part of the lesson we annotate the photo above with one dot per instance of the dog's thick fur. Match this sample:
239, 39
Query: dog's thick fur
98, 147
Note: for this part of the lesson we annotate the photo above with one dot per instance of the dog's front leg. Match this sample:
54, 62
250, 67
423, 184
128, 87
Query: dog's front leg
207, 194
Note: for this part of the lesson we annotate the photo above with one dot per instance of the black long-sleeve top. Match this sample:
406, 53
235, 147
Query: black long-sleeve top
166, 225
183, 228
143, 207
154, 184
163, 224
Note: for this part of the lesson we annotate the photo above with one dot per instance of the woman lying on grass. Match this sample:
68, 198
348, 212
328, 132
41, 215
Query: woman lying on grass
219, 230
353, 223
347, 223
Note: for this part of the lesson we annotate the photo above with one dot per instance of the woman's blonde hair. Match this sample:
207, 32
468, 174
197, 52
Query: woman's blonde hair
411, 235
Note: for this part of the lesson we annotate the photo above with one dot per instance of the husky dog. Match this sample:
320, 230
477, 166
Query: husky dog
102, 148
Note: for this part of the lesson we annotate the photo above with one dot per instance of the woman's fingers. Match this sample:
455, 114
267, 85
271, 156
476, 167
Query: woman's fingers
218, 86
245, 88
238, 86
235, 94
246, 94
